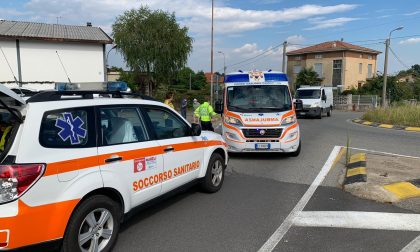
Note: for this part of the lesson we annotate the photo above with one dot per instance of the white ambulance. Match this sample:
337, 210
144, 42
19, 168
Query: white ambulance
258, 113
74, 163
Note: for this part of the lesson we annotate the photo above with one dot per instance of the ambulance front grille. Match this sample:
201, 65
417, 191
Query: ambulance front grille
262, 133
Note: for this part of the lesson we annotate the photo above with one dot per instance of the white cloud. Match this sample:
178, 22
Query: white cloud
330, 23
295, 39
410, 41
412, 13
247, 48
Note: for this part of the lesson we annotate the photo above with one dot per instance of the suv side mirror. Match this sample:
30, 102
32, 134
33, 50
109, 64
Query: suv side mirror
298, 105
195, 129
218, 107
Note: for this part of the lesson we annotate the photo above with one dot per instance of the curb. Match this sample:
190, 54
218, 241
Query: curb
404, 190
386, 126
356, 169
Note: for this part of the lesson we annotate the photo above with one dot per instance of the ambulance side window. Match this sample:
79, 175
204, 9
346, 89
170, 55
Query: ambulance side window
68, 128
120, 125
166, 124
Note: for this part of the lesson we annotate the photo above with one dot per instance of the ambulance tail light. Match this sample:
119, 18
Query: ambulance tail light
17, 179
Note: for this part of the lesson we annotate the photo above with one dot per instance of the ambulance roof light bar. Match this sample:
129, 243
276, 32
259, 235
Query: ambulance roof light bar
110, 86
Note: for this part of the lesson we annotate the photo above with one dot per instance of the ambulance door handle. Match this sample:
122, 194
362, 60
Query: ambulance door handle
113, 159
169, 149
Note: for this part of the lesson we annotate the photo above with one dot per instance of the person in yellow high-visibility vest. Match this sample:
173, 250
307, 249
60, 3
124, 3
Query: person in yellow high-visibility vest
205, 113
5, 133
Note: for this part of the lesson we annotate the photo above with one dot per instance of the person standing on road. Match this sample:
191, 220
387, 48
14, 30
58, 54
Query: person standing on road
205, 113
184, 108
196, 104
168, 99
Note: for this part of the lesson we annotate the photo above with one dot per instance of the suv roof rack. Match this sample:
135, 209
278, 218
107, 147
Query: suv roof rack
45, 96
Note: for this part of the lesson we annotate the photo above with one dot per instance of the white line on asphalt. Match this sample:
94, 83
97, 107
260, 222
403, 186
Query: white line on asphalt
413, 246
359, 220
384, 153
276, 237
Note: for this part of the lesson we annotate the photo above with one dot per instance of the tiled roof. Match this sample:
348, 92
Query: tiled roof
332, 46
52, 32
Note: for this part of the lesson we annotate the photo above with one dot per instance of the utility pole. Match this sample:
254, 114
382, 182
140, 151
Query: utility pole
211, 53
387, 42
190, 81
283, 66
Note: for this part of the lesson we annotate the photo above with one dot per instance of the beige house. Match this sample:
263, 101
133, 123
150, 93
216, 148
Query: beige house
338, 64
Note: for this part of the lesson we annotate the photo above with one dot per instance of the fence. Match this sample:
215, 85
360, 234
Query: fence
356, 102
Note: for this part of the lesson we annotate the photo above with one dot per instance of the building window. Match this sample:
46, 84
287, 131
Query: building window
337, 72
369, 73
298, 57
296, 69
370, 57
318, 69
360, 68
318, 56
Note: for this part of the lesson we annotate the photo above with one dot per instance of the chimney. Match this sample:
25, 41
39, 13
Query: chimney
89, 24
334, 45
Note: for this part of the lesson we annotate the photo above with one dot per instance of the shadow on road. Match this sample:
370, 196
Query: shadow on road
260, 156
153, 207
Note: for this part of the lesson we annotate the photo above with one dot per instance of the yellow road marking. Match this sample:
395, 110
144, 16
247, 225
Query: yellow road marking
340, 154
368, 123
387, 126
356, 171
413, 129
358, 157
403, 190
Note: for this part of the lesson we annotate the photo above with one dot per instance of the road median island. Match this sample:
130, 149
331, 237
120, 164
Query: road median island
382, 178
404, 117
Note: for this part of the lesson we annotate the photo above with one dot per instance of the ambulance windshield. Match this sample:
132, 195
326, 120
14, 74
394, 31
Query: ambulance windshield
258, 98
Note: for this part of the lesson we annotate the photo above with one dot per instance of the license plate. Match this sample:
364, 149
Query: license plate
262, 146
302, 113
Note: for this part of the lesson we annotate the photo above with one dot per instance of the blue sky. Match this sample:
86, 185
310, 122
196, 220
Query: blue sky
246, 28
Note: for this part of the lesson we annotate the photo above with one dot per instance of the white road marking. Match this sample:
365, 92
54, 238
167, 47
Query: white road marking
359, 220
384, 153
413, 246
276, 237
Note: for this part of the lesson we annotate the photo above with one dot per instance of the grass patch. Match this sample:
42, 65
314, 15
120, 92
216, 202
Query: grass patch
406, 115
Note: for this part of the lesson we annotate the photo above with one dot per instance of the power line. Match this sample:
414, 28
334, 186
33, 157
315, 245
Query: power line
398, 58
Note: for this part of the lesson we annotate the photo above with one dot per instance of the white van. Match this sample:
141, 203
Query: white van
316, 101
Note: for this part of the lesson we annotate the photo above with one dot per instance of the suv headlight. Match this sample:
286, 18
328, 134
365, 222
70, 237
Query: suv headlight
289, 120
232, 120
315, 104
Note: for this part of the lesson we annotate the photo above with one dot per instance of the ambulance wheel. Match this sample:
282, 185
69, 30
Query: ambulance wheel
215, 174
93, 226
297, 152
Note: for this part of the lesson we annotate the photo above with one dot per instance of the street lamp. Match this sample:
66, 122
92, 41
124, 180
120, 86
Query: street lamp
106, 62
224, 62
387, 43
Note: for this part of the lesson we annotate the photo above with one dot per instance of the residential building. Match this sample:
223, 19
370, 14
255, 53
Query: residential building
216, 78
34, 51
338, 63
407, 77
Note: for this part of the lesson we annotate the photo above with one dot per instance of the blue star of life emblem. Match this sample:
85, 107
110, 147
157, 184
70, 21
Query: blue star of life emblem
71, 128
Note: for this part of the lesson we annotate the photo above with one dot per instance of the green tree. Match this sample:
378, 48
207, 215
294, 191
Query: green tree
153, 43
308, 77
200, 81
184, 77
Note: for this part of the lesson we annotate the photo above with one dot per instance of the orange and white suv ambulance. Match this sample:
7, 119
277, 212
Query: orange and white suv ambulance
73, 163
